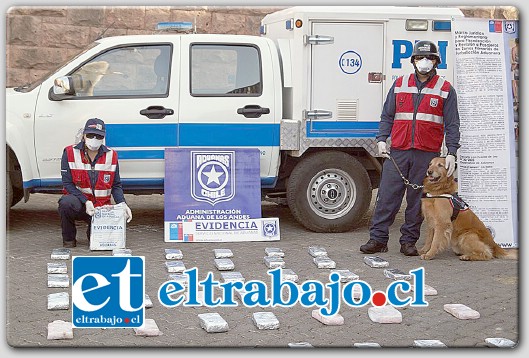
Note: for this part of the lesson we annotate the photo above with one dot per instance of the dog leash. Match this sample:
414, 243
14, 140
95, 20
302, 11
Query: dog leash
406, 181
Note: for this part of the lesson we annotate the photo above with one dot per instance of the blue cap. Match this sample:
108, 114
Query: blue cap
94, 125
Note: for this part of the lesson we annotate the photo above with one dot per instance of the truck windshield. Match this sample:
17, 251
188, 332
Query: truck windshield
30, 86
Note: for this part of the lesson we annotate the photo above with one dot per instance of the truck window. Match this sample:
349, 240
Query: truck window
225, 70
125, 71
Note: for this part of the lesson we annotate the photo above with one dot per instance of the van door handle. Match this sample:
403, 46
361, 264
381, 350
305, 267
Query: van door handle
156, 112
253, 111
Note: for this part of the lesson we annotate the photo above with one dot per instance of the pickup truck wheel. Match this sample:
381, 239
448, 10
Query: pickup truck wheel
18, 194
329, 192
14, 187
9, 191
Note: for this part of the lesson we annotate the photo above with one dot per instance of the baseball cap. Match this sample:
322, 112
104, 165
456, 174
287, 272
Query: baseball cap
94, 125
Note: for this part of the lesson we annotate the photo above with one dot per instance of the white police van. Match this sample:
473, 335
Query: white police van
308, 93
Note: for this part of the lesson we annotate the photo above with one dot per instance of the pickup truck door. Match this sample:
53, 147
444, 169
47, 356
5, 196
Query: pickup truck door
128, 87
228, 97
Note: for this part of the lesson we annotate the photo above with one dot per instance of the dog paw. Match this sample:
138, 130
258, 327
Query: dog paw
426, 257
465, 258
422, 251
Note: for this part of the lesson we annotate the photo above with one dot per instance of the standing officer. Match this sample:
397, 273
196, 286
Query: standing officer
90, 175
420, 109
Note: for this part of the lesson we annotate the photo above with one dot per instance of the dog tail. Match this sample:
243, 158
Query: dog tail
501, 253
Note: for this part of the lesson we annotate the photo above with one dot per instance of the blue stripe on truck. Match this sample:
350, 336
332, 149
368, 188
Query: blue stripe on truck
141, 154
142, 135
226, 135
344, 129
266, 182
187, 134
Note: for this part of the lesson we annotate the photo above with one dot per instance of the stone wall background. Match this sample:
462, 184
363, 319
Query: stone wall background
38, 39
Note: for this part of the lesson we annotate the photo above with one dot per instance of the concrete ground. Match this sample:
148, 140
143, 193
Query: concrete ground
33, 231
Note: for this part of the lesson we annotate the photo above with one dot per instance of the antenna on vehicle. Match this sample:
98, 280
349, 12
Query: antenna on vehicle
100, 36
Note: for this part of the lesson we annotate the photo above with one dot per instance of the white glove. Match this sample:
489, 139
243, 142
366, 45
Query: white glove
450, 164
90, 210
128, 212
382, 149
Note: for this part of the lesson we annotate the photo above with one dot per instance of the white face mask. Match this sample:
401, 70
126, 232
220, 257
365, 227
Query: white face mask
424, 66
94, 143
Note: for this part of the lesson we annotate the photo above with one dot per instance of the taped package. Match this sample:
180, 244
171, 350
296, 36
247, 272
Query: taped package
108, 230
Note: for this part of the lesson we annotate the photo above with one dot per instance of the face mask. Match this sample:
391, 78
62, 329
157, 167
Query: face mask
424, 66
93, 143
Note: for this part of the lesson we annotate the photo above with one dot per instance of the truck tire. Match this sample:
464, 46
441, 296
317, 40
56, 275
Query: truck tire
329, 192
14, 186
9, 192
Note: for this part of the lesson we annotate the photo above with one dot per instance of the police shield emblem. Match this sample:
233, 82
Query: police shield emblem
433, 102
212, 176
269, 228
106, 178
510, 27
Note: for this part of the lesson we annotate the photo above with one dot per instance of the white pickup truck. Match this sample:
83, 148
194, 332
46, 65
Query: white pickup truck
308, 93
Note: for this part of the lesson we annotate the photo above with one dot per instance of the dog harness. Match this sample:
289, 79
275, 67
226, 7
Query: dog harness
457, 203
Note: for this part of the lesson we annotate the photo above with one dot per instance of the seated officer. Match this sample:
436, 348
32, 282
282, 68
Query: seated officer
90, 175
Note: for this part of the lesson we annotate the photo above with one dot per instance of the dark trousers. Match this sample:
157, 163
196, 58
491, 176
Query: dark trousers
70, 210
413, 164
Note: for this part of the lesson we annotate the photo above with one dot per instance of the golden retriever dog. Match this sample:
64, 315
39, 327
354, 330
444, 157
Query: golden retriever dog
466, 234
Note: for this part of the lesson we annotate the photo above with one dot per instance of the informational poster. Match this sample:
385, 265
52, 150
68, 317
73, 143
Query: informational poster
487, 86
210, 184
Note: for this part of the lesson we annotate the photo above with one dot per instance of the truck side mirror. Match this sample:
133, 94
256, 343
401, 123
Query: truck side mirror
63, 87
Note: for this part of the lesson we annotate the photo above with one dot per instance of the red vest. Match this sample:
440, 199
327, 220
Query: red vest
105, 168
426, 130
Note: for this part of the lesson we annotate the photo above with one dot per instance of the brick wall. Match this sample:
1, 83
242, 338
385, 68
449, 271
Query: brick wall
39, 39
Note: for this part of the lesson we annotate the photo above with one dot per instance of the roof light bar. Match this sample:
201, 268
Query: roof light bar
179, 26
416, 25
441, 25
